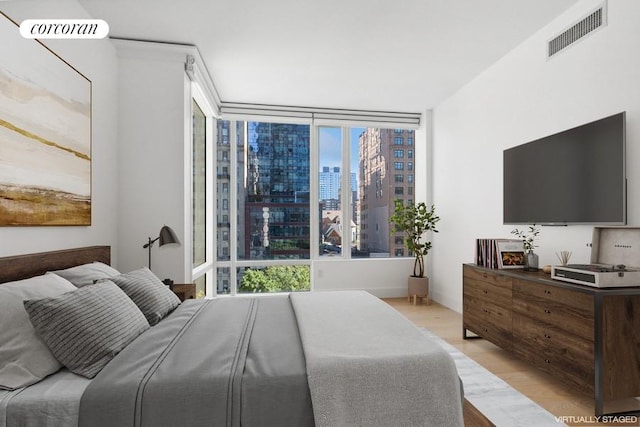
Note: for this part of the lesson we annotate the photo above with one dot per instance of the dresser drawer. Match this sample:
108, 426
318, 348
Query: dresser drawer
553, 339
566, 356
579, 300
571, 311
490, 321
486, 276
556, 314
486, 291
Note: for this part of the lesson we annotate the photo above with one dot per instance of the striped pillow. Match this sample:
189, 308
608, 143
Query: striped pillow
152, 297
86, 328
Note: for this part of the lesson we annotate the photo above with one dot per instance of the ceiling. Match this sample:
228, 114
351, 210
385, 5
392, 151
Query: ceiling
400, 55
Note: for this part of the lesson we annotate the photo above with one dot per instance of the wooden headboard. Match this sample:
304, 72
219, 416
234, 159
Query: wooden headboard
20, 267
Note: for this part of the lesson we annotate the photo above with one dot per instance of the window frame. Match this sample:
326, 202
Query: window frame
205, 270
233, 262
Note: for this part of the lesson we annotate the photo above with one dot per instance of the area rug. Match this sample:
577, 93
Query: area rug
497, 400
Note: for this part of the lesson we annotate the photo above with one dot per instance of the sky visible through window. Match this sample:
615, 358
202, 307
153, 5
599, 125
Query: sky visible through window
330, 153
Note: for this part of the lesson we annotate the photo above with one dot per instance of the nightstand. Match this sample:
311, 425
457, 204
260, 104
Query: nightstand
184, 290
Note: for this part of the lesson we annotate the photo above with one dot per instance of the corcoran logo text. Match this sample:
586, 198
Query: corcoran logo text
64, 29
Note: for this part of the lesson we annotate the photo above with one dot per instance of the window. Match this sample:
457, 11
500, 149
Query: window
410, 154
410, 166
399, 252
199, 197
274, 192
288, 211
377, 188
268, 176
409, 141
274, 278
332, 234
222, 280
201, 285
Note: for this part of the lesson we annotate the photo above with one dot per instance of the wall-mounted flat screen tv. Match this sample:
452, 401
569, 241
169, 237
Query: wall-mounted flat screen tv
572, 177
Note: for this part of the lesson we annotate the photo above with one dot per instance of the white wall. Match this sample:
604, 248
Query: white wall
96, 59
522, 97
384, 277
154, 95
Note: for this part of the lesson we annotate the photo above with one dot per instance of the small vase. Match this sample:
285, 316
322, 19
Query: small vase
531, 261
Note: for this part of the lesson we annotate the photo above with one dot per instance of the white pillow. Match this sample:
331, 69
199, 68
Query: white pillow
87, 274
24, 357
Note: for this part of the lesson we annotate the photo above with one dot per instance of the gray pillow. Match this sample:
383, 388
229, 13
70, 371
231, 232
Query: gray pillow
87, 274
86, 328
25, 359
152, 297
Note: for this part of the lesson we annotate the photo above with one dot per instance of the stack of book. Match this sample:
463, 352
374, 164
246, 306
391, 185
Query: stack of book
499, 253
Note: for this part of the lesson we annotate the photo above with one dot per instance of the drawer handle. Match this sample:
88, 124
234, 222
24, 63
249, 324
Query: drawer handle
547, 361
547, 336
547, 292
547, 311
485, 310
485, 291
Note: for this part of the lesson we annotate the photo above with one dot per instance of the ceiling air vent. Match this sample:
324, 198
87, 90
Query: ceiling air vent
590, 23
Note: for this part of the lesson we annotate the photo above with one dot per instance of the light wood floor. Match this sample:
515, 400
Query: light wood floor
542, 388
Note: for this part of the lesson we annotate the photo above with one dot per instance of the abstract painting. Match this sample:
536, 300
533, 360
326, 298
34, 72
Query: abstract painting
45, 135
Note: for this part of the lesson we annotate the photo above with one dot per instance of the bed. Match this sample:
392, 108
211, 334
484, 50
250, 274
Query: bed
304, 359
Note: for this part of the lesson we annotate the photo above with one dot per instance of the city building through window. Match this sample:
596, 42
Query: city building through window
291, 207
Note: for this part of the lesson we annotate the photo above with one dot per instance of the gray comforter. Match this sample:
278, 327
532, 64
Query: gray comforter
241, 361
368, 365
220, 362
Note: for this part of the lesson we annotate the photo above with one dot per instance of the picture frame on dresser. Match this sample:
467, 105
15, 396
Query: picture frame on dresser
510, 253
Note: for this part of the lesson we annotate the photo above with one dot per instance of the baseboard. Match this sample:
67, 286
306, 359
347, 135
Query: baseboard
378, 292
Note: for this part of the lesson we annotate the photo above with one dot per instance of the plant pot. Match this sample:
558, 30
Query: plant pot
418, 287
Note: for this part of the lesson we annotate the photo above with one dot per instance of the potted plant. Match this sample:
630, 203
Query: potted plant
414, 220
528, 239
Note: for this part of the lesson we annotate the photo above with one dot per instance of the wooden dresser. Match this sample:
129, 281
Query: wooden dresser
587, 337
